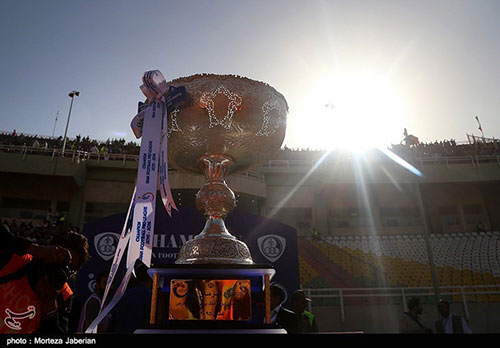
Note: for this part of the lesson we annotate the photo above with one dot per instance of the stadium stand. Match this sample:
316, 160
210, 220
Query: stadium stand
347, 262
460, 260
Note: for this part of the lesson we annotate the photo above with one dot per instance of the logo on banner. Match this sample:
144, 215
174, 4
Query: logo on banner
12, 317
105, 243
272, 246
147, 197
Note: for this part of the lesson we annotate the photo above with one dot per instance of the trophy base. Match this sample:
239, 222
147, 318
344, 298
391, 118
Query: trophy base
215, 249
197, 298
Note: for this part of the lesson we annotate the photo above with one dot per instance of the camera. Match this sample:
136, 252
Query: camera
58, 275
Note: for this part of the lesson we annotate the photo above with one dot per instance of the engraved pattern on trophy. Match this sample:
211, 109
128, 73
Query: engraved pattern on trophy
269, 106
174, 127
207, 101
224, 247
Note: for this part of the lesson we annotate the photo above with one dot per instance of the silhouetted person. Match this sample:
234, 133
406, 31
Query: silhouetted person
41, 275
410, 322
448, 323
307, 320
92, 306
133, 310
282, 317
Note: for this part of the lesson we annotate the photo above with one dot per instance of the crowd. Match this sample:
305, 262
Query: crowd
447, 148
406, 149
39, 232
79, 143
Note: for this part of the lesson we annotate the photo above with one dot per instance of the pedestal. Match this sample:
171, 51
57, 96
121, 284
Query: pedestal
210, 298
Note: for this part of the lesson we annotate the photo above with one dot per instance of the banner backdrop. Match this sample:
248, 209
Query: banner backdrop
270, 242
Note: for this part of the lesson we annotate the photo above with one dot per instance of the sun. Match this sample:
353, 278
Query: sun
355, 112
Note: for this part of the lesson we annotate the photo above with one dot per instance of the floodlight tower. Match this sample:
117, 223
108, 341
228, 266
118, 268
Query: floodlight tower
72, 95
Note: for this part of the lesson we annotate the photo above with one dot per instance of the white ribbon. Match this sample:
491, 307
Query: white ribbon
120, 250
150, 123
147, 178
166, 193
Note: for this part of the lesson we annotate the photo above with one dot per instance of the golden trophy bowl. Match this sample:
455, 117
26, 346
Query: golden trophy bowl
228, 124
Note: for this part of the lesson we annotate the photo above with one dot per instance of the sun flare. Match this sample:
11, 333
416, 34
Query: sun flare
354, 112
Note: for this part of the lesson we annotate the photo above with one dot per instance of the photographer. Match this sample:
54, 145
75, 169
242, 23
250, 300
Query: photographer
35, 295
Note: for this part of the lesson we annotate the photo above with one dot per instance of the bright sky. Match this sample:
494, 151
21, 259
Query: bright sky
352, 71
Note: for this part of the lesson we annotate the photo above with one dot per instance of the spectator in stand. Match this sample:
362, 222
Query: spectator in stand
94, 150
316, 236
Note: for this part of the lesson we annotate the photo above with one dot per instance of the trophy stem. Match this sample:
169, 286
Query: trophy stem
215, 200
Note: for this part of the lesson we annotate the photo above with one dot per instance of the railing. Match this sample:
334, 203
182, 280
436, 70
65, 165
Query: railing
401, 293
75, 155
112, 157
474, 160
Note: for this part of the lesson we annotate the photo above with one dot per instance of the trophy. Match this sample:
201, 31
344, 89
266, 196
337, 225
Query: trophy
228, 125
